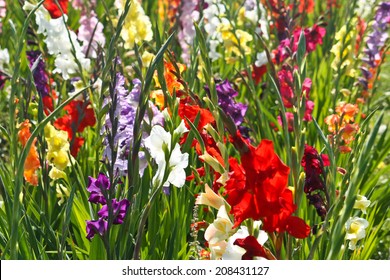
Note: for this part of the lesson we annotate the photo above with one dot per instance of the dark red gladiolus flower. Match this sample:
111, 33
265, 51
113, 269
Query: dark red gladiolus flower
252, 247
315, 183
257, 189
54, 10
258, 73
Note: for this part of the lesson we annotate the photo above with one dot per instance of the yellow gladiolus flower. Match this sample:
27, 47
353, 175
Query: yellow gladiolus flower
137, 26
57, 151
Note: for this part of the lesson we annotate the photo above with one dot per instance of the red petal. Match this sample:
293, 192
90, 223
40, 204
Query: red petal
297, 227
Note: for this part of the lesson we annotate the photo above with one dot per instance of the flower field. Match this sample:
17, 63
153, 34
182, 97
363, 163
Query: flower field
194, 130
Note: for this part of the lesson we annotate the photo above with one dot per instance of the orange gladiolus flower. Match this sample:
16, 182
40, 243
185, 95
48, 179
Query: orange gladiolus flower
32, 164
349, 110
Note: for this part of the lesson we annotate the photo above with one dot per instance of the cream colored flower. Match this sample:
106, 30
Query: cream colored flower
361, 203
356, 230
218, 249
210, 198
220, 229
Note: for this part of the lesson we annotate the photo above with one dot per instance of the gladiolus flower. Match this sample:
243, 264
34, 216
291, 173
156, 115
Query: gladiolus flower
119, 209
257, 189
96, 227
210, 198
361, 203
57, 147
356, 230
96, 187
137, 26
191, 111
55, 11
252, 248
159, 146
32, 163
220, 229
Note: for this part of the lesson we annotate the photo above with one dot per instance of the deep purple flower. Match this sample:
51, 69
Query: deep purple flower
119, 210
226, 100
39, 73
96, 187
96, 227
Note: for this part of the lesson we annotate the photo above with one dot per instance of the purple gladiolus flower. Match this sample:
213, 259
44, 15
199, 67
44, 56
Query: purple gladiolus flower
125, 112
119, 210
226, 100
376, 41
236, 110
96, 227
39, 73
96, 187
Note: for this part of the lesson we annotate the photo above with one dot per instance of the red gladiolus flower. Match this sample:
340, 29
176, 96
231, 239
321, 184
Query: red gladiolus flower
191, 111
54, 10
257, 189
252, 247
79, 116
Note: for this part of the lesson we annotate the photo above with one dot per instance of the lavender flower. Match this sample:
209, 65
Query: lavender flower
376, 41
39, 73
96, 187
125, 112
119, 210
100, 227
186, 35
91, 34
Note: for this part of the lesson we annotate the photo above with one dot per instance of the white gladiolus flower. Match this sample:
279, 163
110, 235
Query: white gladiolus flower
362, 203
159, 144
355, 230
58, 42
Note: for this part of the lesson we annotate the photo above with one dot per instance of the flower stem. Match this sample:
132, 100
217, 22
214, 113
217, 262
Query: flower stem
144, 217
